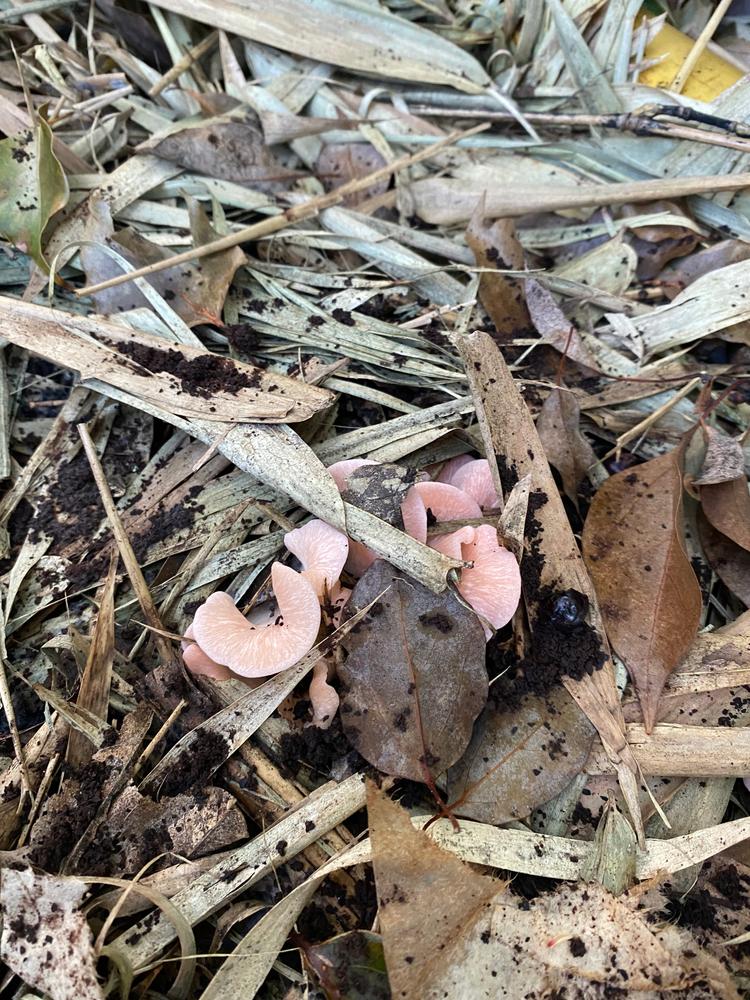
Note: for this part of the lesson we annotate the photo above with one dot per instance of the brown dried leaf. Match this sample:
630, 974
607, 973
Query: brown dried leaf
727, 507
724, 459
495, 245
196, 290
230, 150
648, 592
553, 326
414, 680
520, 757
45, 939
339, 163
558, 425
729, 561
450, 932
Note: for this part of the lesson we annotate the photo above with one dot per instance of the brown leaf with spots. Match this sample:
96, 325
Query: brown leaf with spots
414, 680
649, 595
340, 162
558, 425
495, 245
727, 507
451, 932
520, 756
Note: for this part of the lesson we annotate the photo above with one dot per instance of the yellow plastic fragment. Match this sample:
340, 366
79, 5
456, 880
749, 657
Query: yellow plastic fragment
711, 75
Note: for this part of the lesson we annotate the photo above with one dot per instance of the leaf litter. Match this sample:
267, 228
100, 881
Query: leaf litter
466, 284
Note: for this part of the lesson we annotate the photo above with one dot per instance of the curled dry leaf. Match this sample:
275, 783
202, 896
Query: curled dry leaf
451, 932
45, 939
566, 448
495, 245
648, 593
414, 679
724, 461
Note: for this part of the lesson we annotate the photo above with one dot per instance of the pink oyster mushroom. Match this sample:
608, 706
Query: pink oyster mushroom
322, 550
493, 584
445, 502
198, 662
360, 557
473, 476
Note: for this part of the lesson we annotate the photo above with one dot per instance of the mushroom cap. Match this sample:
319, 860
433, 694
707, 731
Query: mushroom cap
451, 545
449, 468
360, 557
475, 479
227, 637
444, 501
198, 662
324, 697
322, 550
342, 470
493, 585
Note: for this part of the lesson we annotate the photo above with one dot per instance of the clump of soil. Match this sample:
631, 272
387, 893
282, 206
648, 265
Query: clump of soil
201, 376
321, 750
196, 764
72, 508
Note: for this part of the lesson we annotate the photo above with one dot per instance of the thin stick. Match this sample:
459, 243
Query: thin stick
35, 7
296, 213
191, 56
125, 548
652, 418
10, 715
701, 42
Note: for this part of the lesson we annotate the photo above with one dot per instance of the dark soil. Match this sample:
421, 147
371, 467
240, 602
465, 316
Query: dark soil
196, 764
72, 508
321, 750
201, 376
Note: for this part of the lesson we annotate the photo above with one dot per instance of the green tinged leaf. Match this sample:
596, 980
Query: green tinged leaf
33, 187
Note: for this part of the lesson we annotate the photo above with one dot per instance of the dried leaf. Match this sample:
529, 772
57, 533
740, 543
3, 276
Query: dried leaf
648, 592
495, 245
351, 965
727, 507
345, 161
360, 37
390, 682
520, 756
729, 561
230, 150
553, 327
448, 931
45, 939
724, 461
558, 425
33, 186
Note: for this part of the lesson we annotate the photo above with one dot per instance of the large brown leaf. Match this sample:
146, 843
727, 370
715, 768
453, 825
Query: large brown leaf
495, 245
520, 757
414, 680
647, 590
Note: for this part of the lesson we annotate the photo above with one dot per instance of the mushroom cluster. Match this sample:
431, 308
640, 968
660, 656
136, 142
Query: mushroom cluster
223, 643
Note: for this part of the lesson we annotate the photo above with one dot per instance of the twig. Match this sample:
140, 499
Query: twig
191, 56
682, 76
35, 7
295, 213
125, 548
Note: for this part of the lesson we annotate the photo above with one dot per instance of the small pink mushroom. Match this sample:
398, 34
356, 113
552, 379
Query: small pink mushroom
473, 477
324, 697
493, 585
322, 550
445, 502
198, 662
451, 545
360, 557
228, 638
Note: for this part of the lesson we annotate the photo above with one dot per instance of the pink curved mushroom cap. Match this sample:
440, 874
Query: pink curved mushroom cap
474, 477
451, 545
446, 503
227, 637
322, 550
198, 662
451, 467
493, 586
360, 557
324, 697
342, 470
